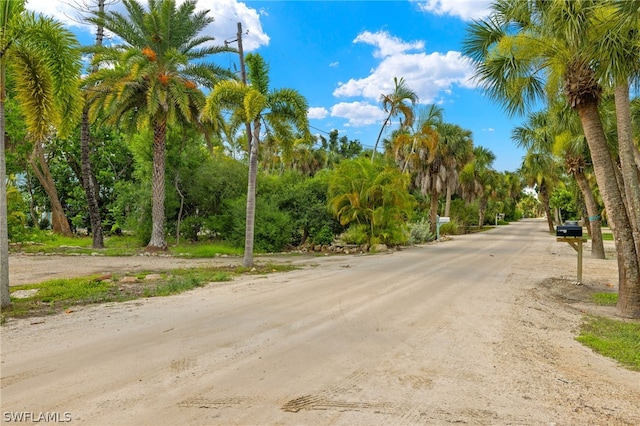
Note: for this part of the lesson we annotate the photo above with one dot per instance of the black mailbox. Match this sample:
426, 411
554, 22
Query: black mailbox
569, 229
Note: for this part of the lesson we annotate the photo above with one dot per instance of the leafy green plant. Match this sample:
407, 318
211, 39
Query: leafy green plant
419, 232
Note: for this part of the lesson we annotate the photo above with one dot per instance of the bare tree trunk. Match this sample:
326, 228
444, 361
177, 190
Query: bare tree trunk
251, 195
547, 208
5, 297
89, 182
628, 265
59, 221
158, 242
630, 180
433, 212
595, 230
447, 204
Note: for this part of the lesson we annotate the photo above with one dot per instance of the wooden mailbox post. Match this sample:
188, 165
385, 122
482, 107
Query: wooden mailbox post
571, 233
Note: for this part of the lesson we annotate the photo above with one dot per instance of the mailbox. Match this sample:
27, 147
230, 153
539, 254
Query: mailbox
569, 229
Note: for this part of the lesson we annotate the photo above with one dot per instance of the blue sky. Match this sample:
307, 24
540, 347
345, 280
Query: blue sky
342, 55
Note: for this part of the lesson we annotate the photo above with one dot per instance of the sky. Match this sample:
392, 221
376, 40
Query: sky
343, 55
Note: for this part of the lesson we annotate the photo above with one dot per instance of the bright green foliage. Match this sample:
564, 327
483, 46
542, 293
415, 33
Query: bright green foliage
369, 194
17, 218
615, 339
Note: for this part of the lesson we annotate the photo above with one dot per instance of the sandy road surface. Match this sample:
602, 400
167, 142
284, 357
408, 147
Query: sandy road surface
466, 331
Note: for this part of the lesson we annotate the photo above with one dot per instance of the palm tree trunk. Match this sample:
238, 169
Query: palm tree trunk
482, 208
628, 264
59, 222
158, 242
433, 211
88, 182
629, 171
547, 208
595, 230
251, 195
375, 147
447, 204
5, 297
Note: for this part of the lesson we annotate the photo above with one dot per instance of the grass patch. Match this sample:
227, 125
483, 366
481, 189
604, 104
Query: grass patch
615, 339
59, 295
605, 299
49, 243
205, 250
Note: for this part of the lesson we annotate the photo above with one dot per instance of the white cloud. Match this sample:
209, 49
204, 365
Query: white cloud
227, 14
317, 113
465, 9
358, 113
334, 64
428, 74
387, 45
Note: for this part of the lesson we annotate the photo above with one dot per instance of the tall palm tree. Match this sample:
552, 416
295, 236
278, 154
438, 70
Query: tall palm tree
88, 178
556, 131
527, 49
617, 53
44, 61
478, 180
398, 102
153, 78
281, 110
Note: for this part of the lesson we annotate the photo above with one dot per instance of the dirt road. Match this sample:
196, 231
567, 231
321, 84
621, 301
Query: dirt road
476, 330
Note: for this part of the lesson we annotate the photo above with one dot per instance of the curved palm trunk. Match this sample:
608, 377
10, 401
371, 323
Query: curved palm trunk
547, 208
595, 230
628, 264
59, 222
375, 147
158, 241
5, 298
629, 171
251, 195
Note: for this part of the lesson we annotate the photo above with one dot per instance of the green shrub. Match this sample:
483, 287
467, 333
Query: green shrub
356, 234
419, 232
451, 228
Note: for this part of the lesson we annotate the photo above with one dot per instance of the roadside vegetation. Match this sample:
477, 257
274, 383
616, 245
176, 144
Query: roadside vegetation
619, 340
65, 295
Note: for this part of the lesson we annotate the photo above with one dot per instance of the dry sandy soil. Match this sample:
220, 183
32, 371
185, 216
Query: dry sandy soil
477, 330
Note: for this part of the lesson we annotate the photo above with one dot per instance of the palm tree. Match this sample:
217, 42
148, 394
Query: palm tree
368, 194
394, 104
280, 110
152, 78
540, 171
478, 180
556, 130
44, 61
526, 49
88, 178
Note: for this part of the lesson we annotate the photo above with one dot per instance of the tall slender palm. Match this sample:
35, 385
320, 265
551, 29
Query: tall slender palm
398, 102
477, 180
152, 78
526, 49
556, 130
617, 52
458, 143
280, 109
88, 178
45, 64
